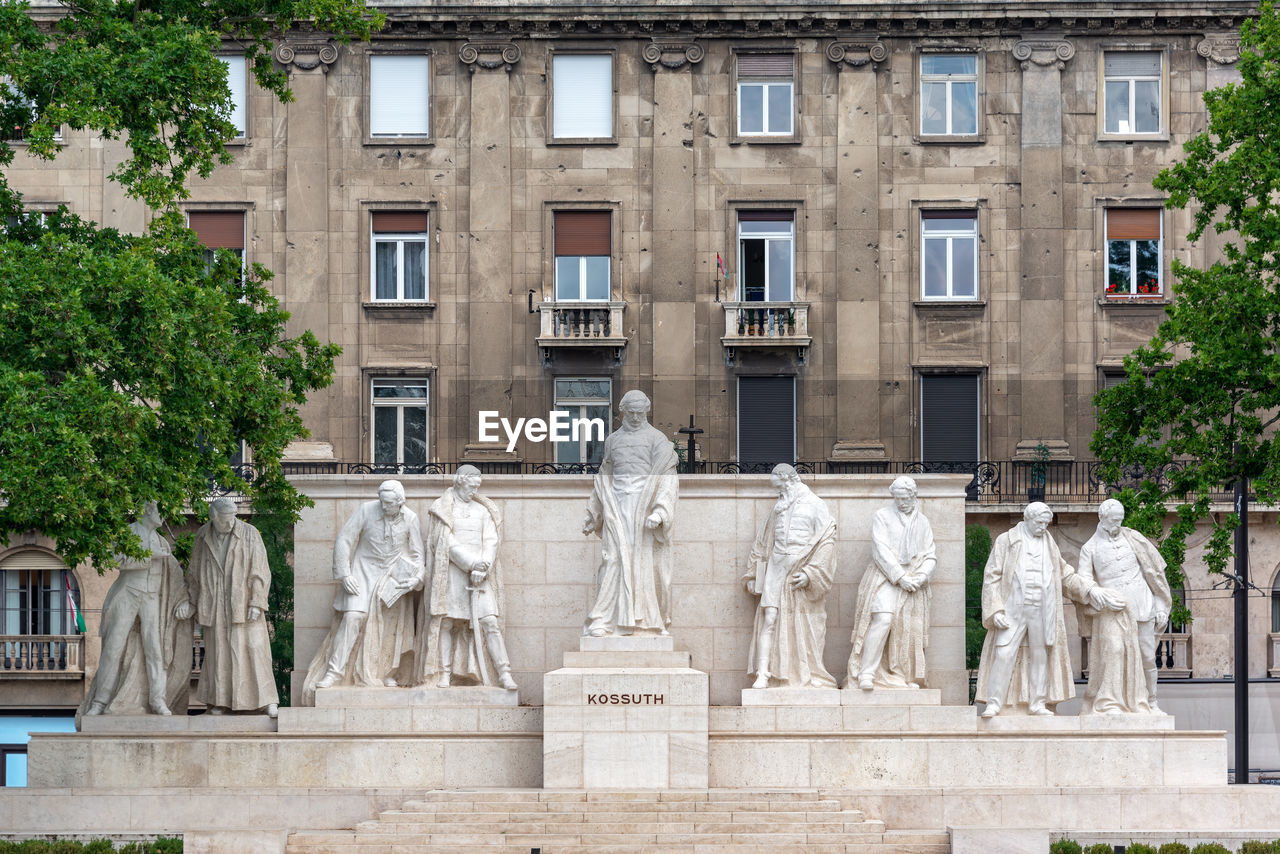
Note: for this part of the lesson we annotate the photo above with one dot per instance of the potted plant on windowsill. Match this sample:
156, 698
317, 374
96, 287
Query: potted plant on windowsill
1039, 469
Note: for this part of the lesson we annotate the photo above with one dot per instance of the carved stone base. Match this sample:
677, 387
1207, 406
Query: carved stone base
462, 695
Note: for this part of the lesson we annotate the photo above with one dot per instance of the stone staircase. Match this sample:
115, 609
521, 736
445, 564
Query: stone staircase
626, 822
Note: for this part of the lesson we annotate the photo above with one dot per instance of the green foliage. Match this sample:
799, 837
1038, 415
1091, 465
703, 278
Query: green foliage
131, 367
162, 845
277, 535
1210, 377
1210, 848
1254, 846
1174, 848
1139, 848
1100, 848
1064, 846
977, 547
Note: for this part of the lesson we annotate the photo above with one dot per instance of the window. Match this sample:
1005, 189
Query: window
1133, 253
219, 230
766, 256
584, 398
399, 255
236, 83
766, 421
1131, 87
582, 96
949, 418
948, 94
40, 596
18, 110
399, 88
766, 94
582, 247
949, 255
400, 421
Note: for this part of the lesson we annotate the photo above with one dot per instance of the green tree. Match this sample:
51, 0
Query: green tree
1210, 378
131, 367
977, 548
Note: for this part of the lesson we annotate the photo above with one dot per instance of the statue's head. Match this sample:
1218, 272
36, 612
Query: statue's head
151, 515
903, 491
1110, 516
634, 407
222, 514
1037, 515
391, 494
782, 475
466, 481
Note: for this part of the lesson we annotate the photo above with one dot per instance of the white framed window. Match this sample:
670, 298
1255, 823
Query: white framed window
766, 256
399, 256
766, 94
1132, 96
948, 94
582, 243
399, 95
582, 96
948, 255
400, 408
40, 595
237, 83
1135, 255
11, 96
584, 398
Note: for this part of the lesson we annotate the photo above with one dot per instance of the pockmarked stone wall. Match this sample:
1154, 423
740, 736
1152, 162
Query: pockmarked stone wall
549, 567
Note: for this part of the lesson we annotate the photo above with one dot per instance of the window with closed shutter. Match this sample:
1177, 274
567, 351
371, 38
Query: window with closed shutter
399, 256
399, 96
1134, 253
766, 421
236, 82
582, 246
219, 230
949, 418
766, 94
582, 96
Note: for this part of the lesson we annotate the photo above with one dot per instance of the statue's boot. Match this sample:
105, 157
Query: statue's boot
764, 648
498, 655
97, 707
158, 705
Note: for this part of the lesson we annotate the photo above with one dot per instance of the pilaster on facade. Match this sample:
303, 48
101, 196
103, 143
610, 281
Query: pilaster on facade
489, 54
857, 53
306, 53
672, 54
1045, 53
1221, 48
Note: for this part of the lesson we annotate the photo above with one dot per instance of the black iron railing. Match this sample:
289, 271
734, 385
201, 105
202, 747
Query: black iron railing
991, 482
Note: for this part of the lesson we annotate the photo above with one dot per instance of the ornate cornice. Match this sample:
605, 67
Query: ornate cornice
307, 54
489, 54
1044, 52
1222, 48
857, 52
672, 54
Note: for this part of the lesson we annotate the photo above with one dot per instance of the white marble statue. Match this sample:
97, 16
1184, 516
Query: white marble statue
227, 582
377, 558
632, 508
145, 663
1024, 657
1122, 652
791, 568
461, 636
891, 622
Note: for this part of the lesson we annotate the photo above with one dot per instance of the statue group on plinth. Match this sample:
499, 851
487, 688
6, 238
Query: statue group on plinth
147, 623
447, 635
1120, 583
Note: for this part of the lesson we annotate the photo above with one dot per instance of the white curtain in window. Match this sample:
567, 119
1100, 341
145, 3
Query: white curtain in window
236, 82
583, 96
398, 96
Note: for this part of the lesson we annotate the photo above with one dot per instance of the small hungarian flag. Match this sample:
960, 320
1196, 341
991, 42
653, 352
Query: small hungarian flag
71, 600
720, 268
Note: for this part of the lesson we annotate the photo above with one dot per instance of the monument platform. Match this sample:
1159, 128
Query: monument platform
625, 712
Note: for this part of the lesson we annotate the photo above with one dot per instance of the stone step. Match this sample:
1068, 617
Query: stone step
486, 815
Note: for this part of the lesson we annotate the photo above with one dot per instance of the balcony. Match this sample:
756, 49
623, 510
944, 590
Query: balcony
766, 326
1273, 654
42, 656
1173, 655
581, 325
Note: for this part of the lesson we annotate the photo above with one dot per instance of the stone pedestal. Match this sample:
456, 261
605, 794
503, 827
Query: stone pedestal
625, 713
